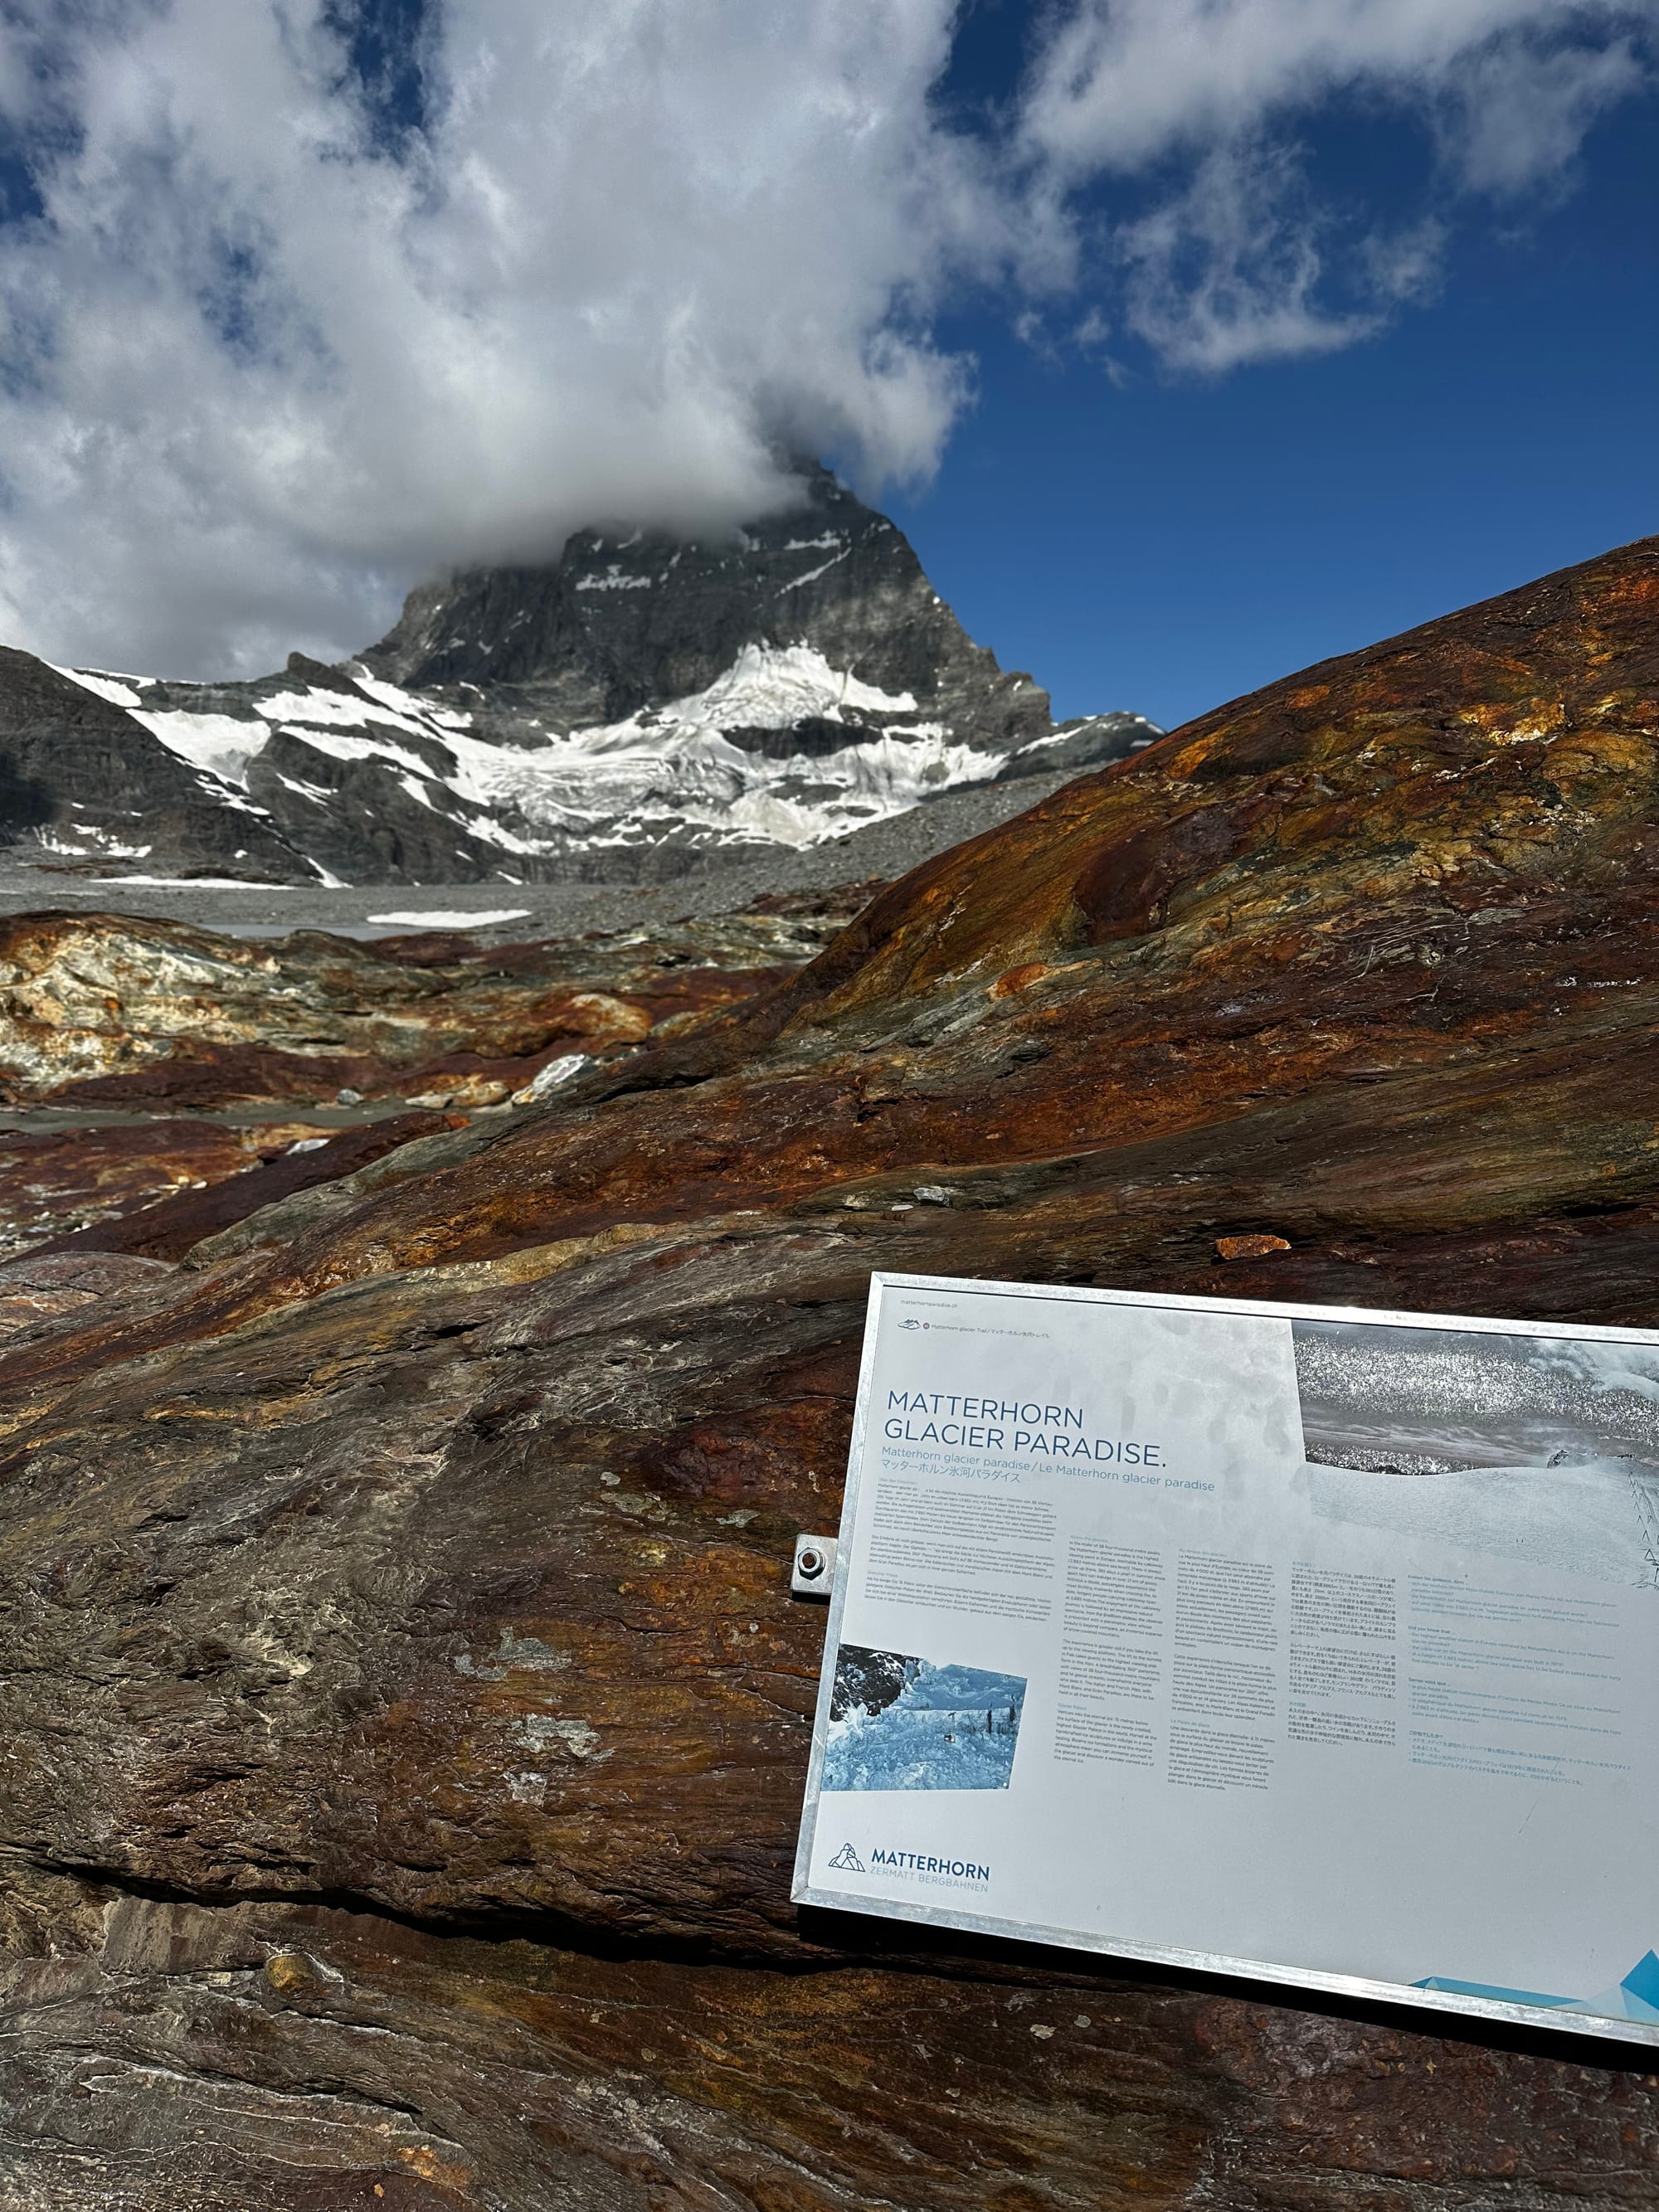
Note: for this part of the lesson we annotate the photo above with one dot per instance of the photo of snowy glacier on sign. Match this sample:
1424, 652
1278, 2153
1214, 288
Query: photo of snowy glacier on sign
897, 1722
1536, 1448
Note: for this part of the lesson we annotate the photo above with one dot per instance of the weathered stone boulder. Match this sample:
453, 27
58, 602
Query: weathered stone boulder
110, 1011
404, 1714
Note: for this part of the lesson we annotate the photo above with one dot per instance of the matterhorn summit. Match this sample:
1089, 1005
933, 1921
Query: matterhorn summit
634, 708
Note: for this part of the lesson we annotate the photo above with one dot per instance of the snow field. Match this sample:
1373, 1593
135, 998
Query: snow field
608, 785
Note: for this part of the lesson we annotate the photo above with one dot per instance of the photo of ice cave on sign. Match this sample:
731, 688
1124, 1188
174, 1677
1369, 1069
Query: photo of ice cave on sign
900, 1723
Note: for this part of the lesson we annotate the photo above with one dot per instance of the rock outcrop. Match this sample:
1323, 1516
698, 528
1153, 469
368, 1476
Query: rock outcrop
634, 709
133, 1033
619, 625
405, 1715
104, 1010
158, 1184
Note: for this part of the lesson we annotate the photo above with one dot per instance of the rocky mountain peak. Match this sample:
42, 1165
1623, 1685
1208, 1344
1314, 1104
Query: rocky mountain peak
635, 707
619, 623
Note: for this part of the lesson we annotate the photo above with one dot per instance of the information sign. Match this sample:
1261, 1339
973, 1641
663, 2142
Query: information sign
1300, 1642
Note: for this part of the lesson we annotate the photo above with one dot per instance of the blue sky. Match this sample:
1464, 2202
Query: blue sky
1170, 541
1176, 541
1190, 340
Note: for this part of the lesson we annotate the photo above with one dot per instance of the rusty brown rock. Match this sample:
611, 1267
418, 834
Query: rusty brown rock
54, 1181
283, 1163
405, 1714
282, 2056
1254, 1246
113, 1010
187, 1177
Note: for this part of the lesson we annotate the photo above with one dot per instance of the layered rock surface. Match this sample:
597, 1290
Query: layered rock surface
406, 1718
634, 707
172, 1079
108, 1009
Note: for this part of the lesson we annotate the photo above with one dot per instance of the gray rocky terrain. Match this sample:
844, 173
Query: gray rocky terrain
885, 849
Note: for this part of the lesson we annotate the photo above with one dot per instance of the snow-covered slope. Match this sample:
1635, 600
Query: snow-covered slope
633, 709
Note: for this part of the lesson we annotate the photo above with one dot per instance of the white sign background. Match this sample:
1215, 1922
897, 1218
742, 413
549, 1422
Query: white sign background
1174, 1688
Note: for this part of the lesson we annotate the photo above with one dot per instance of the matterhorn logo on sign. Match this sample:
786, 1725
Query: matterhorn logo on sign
846, 1861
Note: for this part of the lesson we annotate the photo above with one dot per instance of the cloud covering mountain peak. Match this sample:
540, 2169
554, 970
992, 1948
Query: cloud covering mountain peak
284, 331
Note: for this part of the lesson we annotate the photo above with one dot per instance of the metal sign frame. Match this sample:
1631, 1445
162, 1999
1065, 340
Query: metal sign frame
1497, 2011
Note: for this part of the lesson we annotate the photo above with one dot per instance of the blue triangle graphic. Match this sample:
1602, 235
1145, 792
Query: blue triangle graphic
1636, 1997
1642, 1980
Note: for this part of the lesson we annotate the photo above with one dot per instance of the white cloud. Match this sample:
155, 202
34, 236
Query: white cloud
1237, 262
1228, 273
1517, 112
272, 373
266, 366
1233, 269
1124, 82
